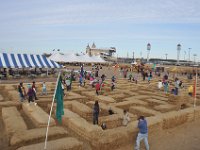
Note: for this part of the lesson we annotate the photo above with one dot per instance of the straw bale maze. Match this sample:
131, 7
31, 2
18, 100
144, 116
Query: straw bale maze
23, 127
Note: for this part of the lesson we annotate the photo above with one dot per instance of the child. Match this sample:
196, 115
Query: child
67, 82
130, 77
160, 85
126, 118
149, 79
112, 85
97, 88
103, 126
44, 89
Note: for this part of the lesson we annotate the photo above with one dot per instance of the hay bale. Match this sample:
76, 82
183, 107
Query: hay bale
112, 121
80, 126
178, 100
128, 103
38, 116
165, 108
112, 139
118, 96
173, 119
13, 95
60, 144
105, 99
36, 135
9, 104
1, 98
12, 120
142, 111
81, 109
197, 112
73, 96
155, 125
89, 94
153, 101
161, 98
9, 87
131, 93
138, 97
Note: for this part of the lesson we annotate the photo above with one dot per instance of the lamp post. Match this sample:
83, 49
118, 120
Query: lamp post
184, 55
166, 56
133, 56
178, 53
148, 51
189, 49
195, 58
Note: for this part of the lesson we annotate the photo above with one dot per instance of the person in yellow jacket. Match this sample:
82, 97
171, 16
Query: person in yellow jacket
190, 90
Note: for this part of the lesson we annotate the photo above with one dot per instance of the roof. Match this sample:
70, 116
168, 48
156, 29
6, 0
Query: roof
11, 60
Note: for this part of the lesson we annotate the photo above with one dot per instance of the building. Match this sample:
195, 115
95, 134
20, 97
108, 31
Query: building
105, 52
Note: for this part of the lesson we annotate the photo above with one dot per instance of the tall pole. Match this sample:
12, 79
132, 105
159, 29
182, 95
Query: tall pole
195, 93
148, 51
189, 49
184, 55
54, 95
195, 58
166, 55
178, 53
133, 57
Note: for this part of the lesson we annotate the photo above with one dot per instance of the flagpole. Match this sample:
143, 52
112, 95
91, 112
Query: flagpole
195, 94
45, 145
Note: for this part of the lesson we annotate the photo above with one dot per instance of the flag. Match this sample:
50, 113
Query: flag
59, 100
154, 66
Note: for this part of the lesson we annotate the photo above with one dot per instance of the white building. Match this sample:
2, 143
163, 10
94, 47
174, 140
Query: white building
94, 51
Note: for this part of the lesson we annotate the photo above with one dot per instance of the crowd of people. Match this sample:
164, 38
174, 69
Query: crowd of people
30, 94
98, 82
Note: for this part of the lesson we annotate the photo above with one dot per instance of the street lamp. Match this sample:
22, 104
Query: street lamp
166, 55
133, 56
189, 49
195, 58
178, 53
184, 55
148, 51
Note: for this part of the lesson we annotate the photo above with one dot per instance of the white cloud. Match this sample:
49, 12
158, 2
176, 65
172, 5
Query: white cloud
101, 11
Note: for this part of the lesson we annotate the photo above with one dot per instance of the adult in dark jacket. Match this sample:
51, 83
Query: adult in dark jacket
95, 112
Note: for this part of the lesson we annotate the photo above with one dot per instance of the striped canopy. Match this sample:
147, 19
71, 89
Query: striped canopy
26, 61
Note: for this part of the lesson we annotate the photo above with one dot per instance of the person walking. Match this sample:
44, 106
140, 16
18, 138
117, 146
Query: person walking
44, 89
95, 112
34, 90
177, 82
21, 92
30, 94
143, 133
68, 82
97, 87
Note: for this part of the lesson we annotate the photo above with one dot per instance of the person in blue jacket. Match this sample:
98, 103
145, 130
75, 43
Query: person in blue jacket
143, 133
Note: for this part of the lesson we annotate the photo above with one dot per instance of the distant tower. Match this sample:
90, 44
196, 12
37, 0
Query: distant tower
178, 53
93, 45
88, 50
148, 51
166, 56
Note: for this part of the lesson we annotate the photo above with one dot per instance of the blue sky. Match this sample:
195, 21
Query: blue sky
35, 26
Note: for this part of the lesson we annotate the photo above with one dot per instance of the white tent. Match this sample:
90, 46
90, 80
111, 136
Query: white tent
57, 57
70, 58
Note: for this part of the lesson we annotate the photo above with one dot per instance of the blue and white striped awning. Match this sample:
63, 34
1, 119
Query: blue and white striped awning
8, 60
